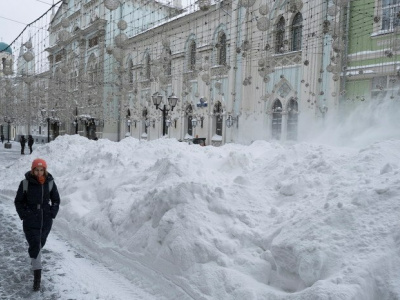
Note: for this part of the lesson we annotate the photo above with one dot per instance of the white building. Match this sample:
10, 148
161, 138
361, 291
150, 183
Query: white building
244, 70
83, 82
241, 70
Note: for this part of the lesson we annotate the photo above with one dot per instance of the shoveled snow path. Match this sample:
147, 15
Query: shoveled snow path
68, 273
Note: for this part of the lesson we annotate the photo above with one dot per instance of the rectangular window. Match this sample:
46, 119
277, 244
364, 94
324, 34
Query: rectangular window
390, 14
218, 125
93, 42
190, 126
58, 57
192, 62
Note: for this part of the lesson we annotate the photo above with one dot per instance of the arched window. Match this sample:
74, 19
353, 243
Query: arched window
222, 48
147, 70
277, 120
297, 27
145, 120
74, 80
168, 65
280, 35
190, 126
189, 115
218, 118
293, 110
192, 55
130, 71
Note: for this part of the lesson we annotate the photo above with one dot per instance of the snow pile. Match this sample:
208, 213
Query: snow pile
264, 221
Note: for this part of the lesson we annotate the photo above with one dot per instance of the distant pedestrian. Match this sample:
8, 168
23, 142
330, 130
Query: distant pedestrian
37, 203
2, 138
30, 143
22, 141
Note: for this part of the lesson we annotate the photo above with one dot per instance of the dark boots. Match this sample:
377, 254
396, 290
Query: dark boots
37, 275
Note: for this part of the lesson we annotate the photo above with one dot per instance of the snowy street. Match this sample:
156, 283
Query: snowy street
68, 273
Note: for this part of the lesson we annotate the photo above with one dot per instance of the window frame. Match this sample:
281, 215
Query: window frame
192, 55
221, 54
297, 32
280, 35
147, 73
391, 19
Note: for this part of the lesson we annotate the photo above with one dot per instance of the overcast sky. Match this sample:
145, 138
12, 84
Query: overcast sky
16, 14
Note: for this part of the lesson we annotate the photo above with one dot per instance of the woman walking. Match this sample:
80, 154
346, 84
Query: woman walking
37, 203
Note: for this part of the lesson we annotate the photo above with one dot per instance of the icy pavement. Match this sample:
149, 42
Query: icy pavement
67, 273
16, 277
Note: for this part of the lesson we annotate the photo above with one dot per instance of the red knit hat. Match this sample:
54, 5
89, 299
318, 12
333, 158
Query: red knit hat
38, 162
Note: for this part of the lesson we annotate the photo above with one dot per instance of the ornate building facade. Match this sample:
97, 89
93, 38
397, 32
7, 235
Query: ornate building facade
226, 71
242, 70
85, 39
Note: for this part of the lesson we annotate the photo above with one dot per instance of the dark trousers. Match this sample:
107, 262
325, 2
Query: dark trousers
22, 149
30, 149
36, 239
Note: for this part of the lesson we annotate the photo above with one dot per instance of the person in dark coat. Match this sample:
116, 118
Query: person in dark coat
37, 203
30, 143
22, 141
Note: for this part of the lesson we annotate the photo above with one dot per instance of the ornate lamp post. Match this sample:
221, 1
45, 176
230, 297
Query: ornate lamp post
48, 119
172, 100
8, 120
128, 123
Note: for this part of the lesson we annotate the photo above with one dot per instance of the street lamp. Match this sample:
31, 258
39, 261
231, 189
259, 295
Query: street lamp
8, 120
172, 100
48, 119
194, 122
128, 123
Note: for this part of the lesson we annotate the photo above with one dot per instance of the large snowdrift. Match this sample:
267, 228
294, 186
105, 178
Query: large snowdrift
264, 221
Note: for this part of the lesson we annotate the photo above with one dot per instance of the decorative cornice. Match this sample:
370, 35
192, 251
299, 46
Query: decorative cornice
98, 24
74, 15
145, 83
190, 75
288, 59
90, 3
219, 70
181, 19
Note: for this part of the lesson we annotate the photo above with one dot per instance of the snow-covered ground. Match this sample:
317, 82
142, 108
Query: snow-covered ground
168, 220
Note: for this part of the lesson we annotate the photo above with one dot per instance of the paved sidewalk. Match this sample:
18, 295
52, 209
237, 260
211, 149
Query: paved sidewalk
10, 154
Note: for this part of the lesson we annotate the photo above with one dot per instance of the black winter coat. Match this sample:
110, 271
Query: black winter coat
38, 199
